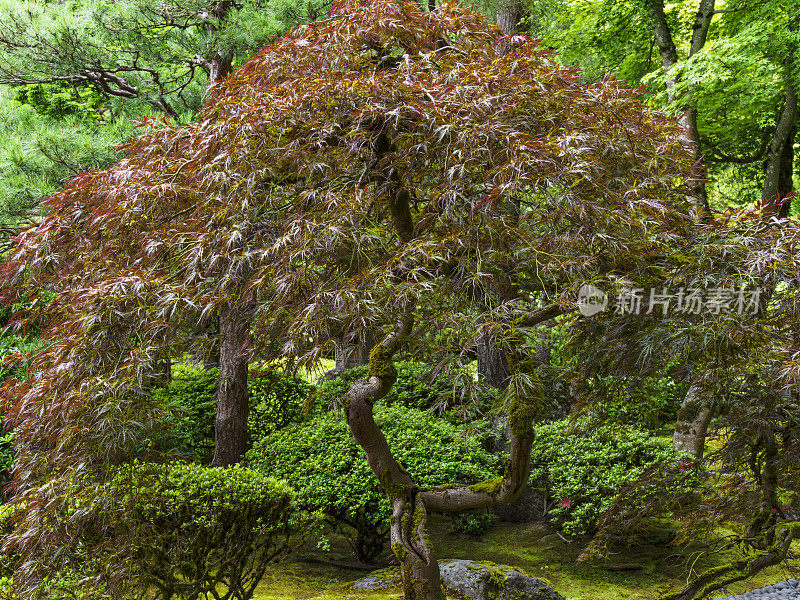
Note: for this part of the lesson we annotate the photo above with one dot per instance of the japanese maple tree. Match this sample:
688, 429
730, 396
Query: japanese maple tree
387, 169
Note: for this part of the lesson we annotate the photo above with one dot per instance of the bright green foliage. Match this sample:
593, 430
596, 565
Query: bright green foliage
13, 350
326, 467
472, 523
38, 151
177, 531
277, 400
584, 465
80, 74
190, 395
59, 100
737, 81
133, 50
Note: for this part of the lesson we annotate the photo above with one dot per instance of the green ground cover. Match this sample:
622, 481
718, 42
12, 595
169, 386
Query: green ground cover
531, 547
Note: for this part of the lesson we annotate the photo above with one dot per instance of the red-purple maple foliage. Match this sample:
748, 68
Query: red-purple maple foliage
381, 159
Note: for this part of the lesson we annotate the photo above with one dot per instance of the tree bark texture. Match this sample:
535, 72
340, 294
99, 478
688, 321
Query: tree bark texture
492, 364
509, 14
777, 187
690, 138
230, 430
692, 424
411, 504
222, 58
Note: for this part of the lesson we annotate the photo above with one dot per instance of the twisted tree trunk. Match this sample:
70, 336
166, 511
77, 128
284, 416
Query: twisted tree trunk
411, 504
420, 569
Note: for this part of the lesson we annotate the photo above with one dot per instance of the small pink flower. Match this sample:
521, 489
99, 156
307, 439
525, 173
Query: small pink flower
566, 503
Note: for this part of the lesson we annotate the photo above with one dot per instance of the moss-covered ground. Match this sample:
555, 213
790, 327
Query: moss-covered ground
531, 547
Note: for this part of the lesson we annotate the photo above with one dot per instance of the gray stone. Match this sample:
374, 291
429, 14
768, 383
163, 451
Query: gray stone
783, 590
481, 581
379, 580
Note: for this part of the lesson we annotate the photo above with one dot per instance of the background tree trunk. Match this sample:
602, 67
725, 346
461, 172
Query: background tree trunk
230, 430
780, 157
786, 176
492, 364
509, 14
221, 58
688, 118
692, 424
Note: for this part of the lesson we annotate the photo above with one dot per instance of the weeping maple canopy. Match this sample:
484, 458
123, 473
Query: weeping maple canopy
381, 162
518, 177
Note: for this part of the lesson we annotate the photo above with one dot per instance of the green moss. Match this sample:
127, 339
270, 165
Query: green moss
398, 551
738, 567
490, 486
551, 561
381, 364
393, 489
689, 410
521, 417
387, 573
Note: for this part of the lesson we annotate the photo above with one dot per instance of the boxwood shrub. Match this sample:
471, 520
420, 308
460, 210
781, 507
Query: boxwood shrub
177, 531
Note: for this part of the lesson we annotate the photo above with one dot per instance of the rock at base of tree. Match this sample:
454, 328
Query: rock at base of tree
475, 580
528, 508
482, 581
379, 580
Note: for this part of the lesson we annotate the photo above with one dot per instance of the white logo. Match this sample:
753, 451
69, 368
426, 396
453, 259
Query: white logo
591, 300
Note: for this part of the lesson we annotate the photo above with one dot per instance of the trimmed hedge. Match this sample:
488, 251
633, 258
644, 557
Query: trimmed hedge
177, 531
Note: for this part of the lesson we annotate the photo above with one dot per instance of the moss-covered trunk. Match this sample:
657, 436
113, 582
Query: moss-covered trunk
409, 515
409, 537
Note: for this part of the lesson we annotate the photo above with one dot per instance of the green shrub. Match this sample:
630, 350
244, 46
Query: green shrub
275, 401
11, 344
585, 464
192, 396
473, 522
329, 472
59, 100
174, 531
414, 388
